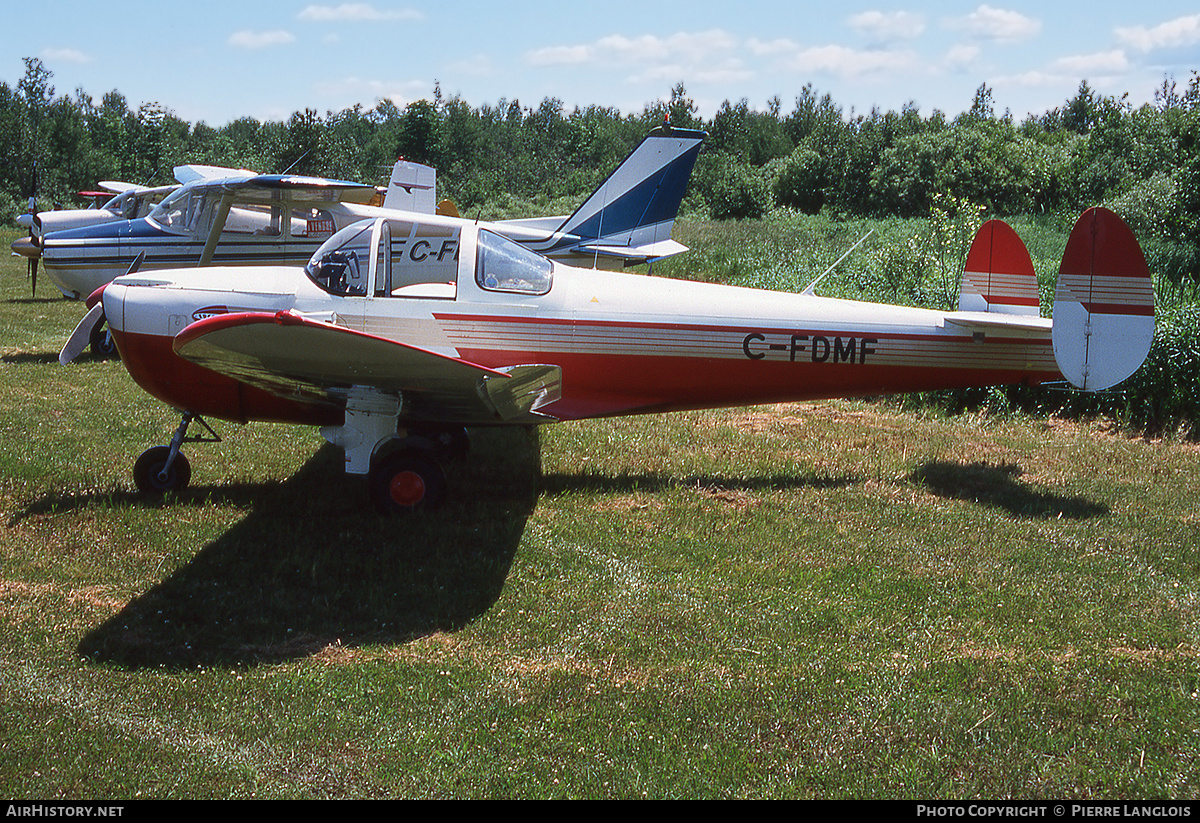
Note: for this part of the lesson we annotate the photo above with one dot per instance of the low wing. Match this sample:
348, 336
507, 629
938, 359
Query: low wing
301, 358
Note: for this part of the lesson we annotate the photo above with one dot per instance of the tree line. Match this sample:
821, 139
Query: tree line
1093, 149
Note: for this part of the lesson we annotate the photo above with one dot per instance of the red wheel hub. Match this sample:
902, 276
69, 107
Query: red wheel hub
407, 488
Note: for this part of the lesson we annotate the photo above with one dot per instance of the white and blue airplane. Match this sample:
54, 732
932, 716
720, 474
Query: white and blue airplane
116, 200
279, 219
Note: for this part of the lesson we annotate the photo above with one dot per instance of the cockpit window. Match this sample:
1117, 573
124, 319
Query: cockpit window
503, 265
180, 211
342, 263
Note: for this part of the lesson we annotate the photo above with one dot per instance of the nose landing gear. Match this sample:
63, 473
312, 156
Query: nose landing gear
162, 469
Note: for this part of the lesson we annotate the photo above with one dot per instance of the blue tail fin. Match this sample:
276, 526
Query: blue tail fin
637, 204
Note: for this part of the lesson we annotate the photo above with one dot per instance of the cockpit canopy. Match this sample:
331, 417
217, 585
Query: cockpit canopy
272, 215
393, 257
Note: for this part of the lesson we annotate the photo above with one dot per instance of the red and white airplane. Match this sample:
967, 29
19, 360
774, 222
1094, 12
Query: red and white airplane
401, 333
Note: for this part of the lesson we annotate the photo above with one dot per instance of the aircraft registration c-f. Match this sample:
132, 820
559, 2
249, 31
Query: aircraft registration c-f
395, 353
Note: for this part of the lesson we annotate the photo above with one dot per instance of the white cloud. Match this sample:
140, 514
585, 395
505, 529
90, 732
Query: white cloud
961, 56
766, 48
888, 27
561, 55
1182, 31
1082, 65
708, 53
998, 25
65, 55
356, 88
260, 39
356, 13
847, 62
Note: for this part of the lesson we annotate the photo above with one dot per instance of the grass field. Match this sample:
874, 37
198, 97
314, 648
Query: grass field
821, 600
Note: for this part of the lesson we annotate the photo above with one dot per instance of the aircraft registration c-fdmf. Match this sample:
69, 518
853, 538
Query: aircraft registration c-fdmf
401, 333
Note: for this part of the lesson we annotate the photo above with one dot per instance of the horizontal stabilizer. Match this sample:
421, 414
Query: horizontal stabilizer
645, 253
1103, 303
996, 322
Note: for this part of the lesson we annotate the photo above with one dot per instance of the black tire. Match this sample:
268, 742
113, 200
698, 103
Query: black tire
147, 471
407, 481
101, 342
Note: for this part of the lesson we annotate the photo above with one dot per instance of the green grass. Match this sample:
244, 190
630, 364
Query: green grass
816, 600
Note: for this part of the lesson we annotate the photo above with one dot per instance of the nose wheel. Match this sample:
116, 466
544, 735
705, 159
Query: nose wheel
101, 341
156, 473
162, 469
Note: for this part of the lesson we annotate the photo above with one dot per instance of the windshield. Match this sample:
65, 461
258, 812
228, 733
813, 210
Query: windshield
340, 266
180, 211
503, 265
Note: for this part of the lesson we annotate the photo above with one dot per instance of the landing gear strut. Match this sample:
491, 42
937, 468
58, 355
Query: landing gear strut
101, 341
162, 469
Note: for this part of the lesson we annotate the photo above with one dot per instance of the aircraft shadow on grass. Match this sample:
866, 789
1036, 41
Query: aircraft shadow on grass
999, 486
628, 483
308, 567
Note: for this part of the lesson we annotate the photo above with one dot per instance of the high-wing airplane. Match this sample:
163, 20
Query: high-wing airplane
402, 332
126, 201
252, 219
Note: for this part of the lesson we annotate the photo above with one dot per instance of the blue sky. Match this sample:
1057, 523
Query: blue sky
269, 59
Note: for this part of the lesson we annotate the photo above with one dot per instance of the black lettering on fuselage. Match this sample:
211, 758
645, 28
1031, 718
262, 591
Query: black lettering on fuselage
746, 346
844, 352
412, 255
822, 349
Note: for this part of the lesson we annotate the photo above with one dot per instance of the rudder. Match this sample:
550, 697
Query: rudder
999, 275
1103, 303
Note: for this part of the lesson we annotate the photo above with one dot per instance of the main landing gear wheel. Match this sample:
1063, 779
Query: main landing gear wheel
152, 476
407, 481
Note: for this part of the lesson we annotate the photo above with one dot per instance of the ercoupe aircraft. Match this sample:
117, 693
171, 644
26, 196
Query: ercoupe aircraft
402, 332
282, 219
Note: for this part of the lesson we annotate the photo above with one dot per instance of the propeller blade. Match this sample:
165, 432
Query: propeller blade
82, 336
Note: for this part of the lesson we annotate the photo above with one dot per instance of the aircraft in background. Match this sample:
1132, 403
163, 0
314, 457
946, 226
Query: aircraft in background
402, 332
122, 201
253, 219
